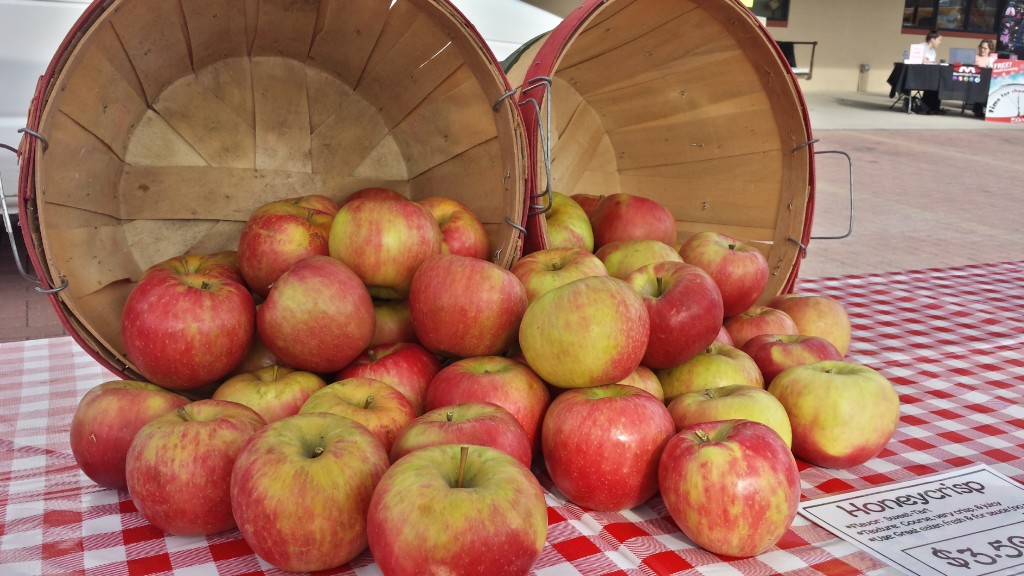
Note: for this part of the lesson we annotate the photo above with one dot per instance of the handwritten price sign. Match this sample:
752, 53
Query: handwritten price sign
999, 548
968, 521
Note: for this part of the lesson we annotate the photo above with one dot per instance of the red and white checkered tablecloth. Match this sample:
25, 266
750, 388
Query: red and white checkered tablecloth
951, 340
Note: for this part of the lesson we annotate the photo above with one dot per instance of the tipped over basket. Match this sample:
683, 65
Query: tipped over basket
687, 102
160, 127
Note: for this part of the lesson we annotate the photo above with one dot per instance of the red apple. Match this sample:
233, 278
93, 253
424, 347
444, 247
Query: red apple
384, 241
733, 402
773, 353
723, 337
739, 268
731, 486
258, 356
588, 202
474, 423
461, 230
645, 379
601, 445
187, 324
274, 392
589, 332
318, 316
457, 510
756, 321
843, 414
464, 307
279, 234
628, 217
622, 258
372, 403
179, 466
495, 379
221, 265
821, 316
405, 366
568, 225
392, 322
718, 365
544, 270
107, 419
301, 489
374, 193
685, 308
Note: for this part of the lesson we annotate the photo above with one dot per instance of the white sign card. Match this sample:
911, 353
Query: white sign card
966, 521
916, 54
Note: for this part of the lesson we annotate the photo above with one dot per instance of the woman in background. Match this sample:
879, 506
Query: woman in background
983, 59
986, 50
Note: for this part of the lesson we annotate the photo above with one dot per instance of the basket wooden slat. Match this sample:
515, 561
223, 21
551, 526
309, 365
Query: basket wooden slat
217, 31
109, 101
352, 133
410, 44
620, 23
282, 121
345, 38
285, 28
154, 37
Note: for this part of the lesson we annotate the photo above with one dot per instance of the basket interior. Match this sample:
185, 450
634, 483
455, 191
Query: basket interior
687, 103
169, 122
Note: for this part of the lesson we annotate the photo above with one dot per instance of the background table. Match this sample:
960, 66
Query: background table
951, 82
951, 340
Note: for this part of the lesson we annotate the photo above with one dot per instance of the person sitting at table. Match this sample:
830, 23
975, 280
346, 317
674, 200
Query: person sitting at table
983, 59
931, 44
986, 54
930, 98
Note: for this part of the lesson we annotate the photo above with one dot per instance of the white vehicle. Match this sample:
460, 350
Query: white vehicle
506, 24
31, 32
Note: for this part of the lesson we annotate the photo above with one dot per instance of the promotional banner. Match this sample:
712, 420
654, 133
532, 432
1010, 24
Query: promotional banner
1006, 93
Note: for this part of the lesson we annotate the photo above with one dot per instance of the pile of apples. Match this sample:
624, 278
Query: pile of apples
359, 375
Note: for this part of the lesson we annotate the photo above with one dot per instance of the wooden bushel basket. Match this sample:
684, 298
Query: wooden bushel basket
162, 125
687, 102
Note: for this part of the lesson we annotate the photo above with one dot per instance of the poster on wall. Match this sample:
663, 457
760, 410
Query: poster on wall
1006, 93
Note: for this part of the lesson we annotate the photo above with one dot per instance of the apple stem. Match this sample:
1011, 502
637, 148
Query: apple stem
204, 285
372, 354
710, 392
450, 415
463, 454
318, 450
182, 413
275, 372
702, 435
660, 283
369, 400
732, 246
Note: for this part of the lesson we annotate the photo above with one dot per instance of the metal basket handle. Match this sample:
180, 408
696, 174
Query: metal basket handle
849, 227
538, 206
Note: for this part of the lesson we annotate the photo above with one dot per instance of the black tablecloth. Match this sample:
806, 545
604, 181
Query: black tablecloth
962, 83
